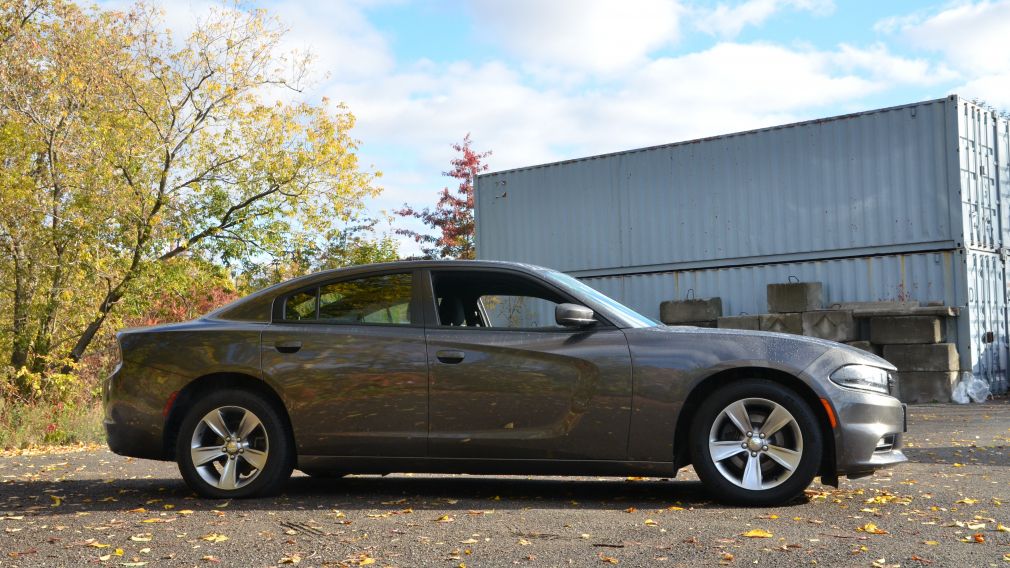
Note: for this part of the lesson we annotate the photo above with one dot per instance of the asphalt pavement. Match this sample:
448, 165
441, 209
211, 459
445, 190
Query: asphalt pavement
949, 506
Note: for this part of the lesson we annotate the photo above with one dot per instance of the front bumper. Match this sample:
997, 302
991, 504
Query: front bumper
870, 431
870, 426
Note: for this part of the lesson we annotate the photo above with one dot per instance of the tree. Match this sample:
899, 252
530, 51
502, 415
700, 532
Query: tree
123, 151
452, 217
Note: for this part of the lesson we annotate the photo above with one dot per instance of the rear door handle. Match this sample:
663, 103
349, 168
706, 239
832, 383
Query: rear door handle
450, 357
288, 346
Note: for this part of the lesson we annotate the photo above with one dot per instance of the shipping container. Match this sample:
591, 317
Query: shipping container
909, 202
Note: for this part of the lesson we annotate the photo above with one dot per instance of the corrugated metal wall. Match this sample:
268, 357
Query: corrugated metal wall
874, 182
903, 203
922, 277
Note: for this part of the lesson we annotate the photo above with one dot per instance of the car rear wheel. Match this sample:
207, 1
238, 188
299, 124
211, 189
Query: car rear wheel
756, 442
234, 444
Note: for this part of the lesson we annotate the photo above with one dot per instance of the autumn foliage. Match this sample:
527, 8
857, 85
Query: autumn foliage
452, 217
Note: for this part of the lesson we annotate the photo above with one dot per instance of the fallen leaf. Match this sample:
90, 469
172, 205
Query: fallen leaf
524, 542
214, 537
293, 559
967, 501
608, 559
57, 501
757, 533
96, 544
651, 523
146, 537
444, 519
871, 528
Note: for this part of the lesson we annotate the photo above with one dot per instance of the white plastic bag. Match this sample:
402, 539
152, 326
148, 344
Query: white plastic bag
970, 388
978, 389
960, 394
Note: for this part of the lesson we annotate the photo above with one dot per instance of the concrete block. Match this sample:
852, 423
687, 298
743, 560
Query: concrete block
783, 323
740, 322
936, 357
836, 325
903, 330
795, 297
925, 387
683, 311
865, 346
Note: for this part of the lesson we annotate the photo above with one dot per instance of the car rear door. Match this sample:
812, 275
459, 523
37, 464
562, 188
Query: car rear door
349, 356
507, 382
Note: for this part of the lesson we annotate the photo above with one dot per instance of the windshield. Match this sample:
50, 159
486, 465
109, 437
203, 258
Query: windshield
629, 317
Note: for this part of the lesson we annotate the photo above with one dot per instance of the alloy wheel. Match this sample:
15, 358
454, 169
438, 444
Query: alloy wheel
755, 443
229, 447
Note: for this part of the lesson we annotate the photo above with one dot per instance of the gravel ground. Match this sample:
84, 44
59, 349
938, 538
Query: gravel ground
946, 507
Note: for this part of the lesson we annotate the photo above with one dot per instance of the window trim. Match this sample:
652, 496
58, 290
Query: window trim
280, 302
431, 304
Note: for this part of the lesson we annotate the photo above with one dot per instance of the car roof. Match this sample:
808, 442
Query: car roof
253, 307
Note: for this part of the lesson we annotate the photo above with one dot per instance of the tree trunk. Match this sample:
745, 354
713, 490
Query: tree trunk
22, 340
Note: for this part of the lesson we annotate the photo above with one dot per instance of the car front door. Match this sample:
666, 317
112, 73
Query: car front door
349, 357
506, 381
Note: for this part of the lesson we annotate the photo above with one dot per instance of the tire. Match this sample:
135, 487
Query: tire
256, 462
764, 468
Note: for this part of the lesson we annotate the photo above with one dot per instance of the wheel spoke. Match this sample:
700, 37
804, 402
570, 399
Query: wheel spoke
215, 422
737, 413
777, 420
206, 454
752, 473
724, 450
255, 458
789, 459
229, 477
248, 424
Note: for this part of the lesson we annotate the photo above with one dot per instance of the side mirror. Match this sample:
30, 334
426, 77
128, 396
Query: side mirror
573, 315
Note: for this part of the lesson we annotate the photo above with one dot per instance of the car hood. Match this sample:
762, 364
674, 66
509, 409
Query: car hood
709, 346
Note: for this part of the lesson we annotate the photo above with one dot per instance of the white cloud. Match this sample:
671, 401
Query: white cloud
728, 21
590, 35
968, 36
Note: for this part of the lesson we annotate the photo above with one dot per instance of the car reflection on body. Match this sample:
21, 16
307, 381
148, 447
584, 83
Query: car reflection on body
490, 368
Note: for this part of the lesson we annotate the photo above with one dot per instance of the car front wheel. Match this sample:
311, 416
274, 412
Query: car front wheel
756, 442
233, 444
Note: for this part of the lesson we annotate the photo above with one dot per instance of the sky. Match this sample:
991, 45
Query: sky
537, 81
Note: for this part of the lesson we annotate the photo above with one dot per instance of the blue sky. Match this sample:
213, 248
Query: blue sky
542, 80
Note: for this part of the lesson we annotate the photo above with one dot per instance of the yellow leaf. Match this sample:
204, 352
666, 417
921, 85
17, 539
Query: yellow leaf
293, 559
155, 520
757, 533
96, 544
214, 537
444, 519
137, 510
57, 501
366, 561
105, 557
871, 528
146, 537
118, 552
524, 542
651, 523
958, 465
1002, 528
184, 512
930, 542
967, 501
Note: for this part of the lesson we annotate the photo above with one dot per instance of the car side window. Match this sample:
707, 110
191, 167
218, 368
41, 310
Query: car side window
517, 311
301, 306
375, 299
494, 299
382, 299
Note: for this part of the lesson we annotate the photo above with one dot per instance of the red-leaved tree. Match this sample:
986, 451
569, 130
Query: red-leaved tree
452, 218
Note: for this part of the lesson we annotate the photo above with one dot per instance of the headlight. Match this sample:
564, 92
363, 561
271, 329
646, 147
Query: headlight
862, 377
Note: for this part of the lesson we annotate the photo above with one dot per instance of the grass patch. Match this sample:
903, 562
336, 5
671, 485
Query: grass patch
26, 425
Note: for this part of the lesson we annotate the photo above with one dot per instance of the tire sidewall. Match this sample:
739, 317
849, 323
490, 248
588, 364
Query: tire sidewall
279, 460
725, 490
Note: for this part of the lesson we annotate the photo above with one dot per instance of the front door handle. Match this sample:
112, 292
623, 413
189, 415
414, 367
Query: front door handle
288, 346
450, 357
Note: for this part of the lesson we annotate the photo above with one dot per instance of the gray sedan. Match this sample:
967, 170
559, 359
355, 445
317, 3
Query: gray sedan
490, 368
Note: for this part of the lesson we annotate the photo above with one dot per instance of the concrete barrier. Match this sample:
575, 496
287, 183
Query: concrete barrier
685, 311
795, 297
898, 330
836, 325
936, 357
